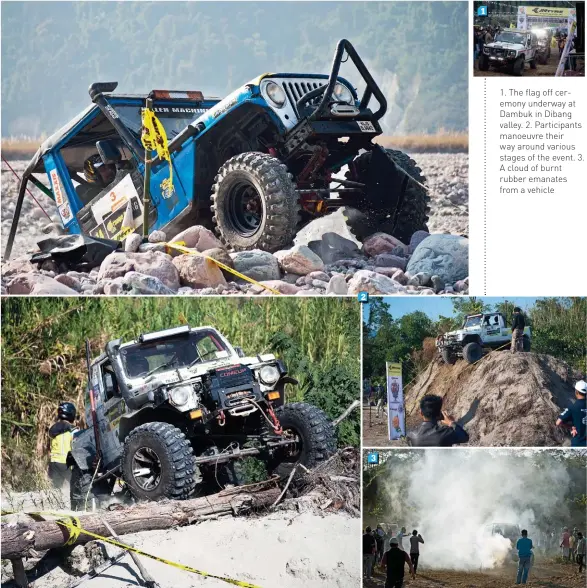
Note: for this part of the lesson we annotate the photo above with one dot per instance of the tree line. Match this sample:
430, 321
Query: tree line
52, 52
558, 329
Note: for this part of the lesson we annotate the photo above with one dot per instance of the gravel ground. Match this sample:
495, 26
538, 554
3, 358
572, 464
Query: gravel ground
325, 259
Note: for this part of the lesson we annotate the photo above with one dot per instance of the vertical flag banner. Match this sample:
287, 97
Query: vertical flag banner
395, 401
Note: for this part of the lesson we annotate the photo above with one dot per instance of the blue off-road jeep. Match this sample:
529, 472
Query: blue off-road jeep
254, 166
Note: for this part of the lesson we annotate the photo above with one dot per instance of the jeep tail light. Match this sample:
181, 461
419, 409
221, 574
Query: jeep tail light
273, 395
167, 94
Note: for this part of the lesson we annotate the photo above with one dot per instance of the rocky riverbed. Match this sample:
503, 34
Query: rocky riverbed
325, 258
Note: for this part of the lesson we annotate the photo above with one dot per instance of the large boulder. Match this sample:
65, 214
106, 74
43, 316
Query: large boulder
198, 272
445, 256
366, 281
389, 260
153, 263
197, 237
17, 266
256, 264
36, 284
300, 260
379, 243
137, 283
332, 247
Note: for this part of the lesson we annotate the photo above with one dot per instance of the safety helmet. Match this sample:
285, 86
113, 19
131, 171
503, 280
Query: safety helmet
66, 410
97, 172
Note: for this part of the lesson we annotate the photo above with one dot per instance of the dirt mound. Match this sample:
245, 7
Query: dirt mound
504, 400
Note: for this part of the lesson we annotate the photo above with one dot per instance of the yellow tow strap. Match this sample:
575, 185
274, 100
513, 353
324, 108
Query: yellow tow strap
181, 248
154, 138
73, 525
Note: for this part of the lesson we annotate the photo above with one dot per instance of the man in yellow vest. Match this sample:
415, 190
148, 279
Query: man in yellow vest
61, 435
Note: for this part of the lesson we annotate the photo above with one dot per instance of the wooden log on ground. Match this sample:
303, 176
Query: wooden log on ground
18, 539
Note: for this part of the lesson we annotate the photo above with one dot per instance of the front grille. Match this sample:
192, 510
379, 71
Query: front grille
498, 52
296, 89
233, 376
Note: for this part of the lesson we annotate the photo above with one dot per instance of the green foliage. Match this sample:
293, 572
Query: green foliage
43, 354
558, 329
52, 52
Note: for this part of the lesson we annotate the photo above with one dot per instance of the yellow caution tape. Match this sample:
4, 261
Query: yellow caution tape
154, 138
178, 246
75, 528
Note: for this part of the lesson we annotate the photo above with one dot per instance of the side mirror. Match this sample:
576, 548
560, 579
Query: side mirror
239, 351
108, 151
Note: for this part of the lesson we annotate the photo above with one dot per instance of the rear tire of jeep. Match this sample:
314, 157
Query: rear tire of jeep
472, 352
255, 204
448, 356
533, 64
483, 63
163, 457
413, 215
80, 495
527, 344
316, 433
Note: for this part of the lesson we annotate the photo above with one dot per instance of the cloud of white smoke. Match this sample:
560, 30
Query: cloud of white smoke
456, 496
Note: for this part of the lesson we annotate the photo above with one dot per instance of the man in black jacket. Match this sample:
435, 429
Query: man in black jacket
439, 429
394, 561
518, 326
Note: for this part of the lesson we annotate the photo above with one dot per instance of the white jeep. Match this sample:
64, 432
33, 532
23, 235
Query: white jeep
479, 331
511, 49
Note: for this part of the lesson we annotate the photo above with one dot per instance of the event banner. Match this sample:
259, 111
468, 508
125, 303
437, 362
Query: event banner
536, 16
395, 401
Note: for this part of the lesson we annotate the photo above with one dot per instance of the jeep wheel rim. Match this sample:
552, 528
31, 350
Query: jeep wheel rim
245, 208
146, 469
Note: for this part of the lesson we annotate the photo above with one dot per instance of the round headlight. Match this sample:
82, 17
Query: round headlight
269, 374
342, 94
180, 396
275, 93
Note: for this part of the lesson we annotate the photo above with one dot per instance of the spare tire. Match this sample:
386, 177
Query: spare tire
255, 204
158, 462
472, 352
314, 434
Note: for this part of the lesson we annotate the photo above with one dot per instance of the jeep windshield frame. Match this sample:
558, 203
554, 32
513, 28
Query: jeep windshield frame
508, 37
178, 352
175, 114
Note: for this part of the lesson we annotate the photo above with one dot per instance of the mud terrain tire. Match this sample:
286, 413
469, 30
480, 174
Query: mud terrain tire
527, 344
518, 66
483, 63
80, 484
254, 203
413, 214
316, 432
165, 450
448, 356
472, 352
533, 64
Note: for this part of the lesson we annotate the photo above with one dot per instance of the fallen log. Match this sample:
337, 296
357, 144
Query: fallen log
19, 538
